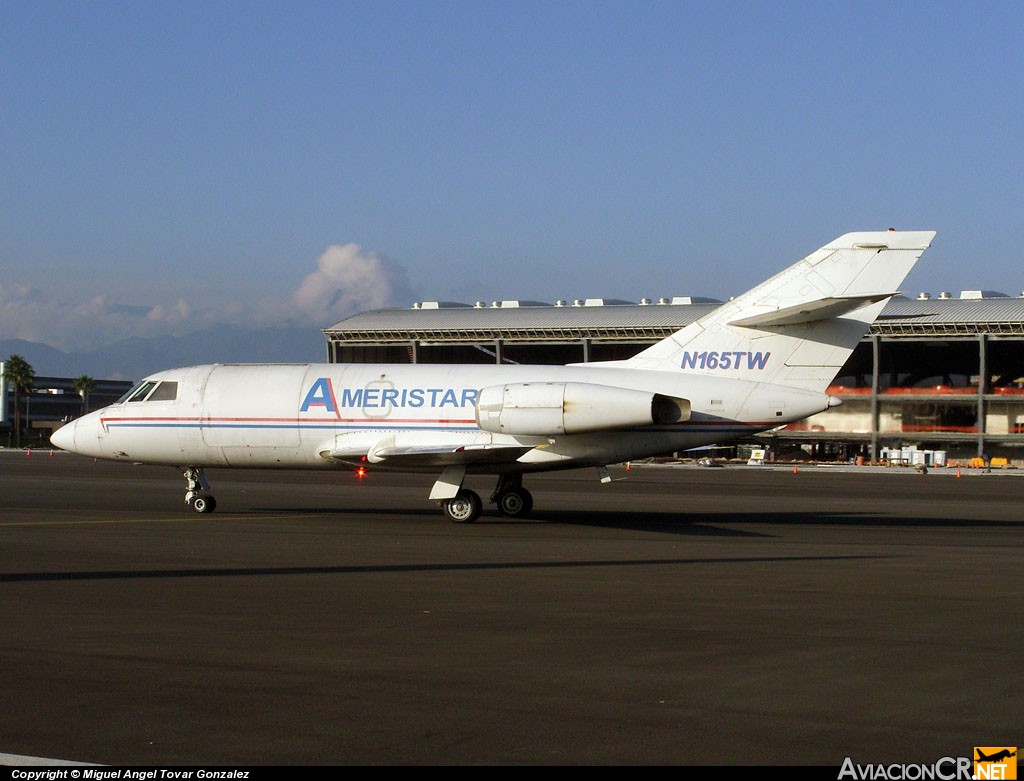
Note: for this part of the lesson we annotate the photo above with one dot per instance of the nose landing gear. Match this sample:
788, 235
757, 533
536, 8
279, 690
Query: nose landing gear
197, 492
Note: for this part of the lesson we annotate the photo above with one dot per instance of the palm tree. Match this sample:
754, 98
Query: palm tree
20, 374
83, 384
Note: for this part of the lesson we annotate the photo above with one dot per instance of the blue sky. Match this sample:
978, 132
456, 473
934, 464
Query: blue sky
168, 166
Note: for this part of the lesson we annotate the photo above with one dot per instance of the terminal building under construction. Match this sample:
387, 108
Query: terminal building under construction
935, 377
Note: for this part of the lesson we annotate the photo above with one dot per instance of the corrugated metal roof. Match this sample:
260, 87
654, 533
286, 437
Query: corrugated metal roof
955, 310
901, 317
951, 317
525, 316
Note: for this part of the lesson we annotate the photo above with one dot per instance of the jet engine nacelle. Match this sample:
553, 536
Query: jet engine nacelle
550, 408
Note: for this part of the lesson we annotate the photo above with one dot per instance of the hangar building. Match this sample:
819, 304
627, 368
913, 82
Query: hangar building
939, 374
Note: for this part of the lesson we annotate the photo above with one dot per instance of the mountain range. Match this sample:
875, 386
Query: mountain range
134, 358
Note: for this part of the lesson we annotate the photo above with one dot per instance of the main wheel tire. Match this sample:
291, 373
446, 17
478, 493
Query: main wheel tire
203, 503
464, 507
515, 503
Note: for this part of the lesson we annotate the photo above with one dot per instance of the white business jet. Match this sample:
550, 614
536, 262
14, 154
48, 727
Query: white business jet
760, 361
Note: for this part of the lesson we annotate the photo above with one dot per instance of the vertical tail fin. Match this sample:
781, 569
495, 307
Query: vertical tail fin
799, 327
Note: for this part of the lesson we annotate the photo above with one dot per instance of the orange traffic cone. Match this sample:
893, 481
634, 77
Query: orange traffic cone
794, 469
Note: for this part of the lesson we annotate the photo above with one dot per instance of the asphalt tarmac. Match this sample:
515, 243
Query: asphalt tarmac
676, 616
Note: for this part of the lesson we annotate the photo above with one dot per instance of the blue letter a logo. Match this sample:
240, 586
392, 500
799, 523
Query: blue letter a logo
320, 395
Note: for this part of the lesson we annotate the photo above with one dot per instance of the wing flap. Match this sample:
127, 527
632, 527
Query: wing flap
407, 449
448, 455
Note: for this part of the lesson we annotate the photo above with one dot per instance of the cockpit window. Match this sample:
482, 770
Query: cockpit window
165, 391
127, 396
139, 392
144, 391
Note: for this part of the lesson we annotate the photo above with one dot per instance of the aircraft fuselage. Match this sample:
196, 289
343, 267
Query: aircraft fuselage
325, 415
759, 361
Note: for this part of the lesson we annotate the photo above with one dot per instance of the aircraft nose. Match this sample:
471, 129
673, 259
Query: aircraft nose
64, 437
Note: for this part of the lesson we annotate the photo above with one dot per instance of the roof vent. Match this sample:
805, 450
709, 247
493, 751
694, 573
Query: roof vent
560, 302
645, 302
479, 305
944, 295
687, 300
982, 294
439, 305
522, 303
924, 296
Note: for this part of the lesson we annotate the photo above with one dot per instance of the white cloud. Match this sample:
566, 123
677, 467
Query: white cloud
180, 311
347, 280
28, 313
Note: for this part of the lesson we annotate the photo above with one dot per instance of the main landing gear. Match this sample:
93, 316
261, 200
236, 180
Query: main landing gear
511, 498
197, 493
464, 507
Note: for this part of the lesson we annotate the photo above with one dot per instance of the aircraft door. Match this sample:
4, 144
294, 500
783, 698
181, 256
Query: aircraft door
241, 410
190, 409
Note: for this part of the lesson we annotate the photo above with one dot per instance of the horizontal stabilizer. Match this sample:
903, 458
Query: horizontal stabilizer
906, 316
810, 311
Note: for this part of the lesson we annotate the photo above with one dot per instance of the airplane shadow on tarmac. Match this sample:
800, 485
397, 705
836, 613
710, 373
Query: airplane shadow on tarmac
702, 524
684, 523
221, 572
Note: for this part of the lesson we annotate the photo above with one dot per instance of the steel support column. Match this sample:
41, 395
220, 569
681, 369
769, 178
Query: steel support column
876, 350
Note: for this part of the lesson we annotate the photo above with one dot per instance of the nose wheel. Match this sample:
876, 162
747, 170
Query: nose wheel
197, 492
203, 503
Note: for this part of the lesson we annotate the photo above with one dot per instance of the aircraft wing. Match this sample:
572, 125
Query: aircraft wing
449, 456
440, 454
